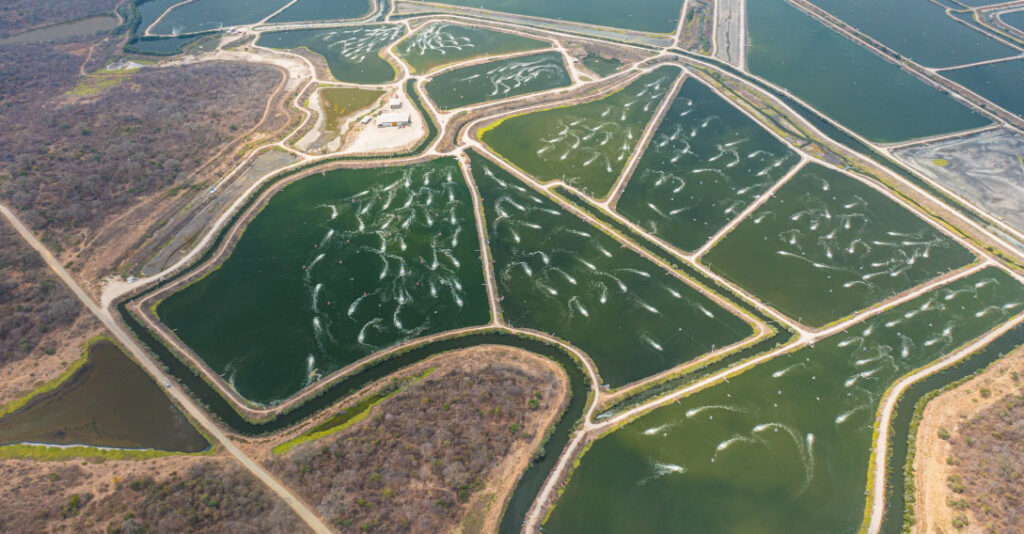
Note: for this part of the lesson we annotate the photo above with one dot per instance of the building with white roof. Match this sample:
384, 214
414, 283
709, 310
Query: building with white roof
399, 118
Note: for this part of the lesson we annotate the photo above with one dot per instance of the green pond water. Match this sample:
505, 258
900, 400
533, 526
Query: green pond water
335, 267
1002, 83
585, 145
323, 10
1015, 19
917, 29
67, 30
601, 66
352, 54
504, 78
559, 275
706, 163
827, 245
162, 46
659, 16
108, 402
845, 81
784, 447
202, 15
442, 44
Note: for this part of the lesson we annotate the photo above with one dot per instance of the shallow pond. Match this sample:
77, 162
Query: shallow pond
504, 78
917, 29
585, 145
442, 44
67, 30
202, 15
559, 275
784, 447
108, 402
1002, 83
660, 16
352, 54
706, 163
827, 245
335, 267
846, 81
323, 10
1015, 19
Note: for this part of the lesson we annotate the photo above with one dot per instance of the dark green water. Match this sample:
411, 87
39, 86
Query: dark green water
586, 145
108, 402
162, 46
442, 44
845, 81
505, 78
826, 245
784, 447
559, 275
1002, 83
917, 29
601, 66
705, 164
337, 266
352, 54
202, 15
323, 10
659, 16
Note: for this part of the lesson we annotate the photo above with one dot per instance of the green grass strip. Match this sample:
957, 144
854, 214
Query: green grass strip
50, 453
344, 419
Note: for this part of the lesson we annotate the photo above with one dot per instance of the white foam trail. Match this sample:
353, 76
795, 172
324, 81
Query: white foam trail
697, 411
786, 370
841, 418
656, 429
650, 342
661, 470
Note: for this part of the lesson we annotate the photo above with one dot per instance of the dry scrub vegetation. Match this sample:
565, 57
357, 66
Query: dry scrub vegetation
75, 157
20, 15
988, 459
416, 463
32, 300
167, 495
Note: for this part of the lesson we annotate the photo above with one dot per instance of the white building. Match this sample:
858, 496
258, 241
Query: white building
395, 102
393, 119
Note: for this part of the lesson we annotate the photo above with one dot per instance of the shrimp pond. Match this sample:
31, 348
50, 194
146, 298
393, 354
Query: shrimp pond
500, 79
559, 275
783, 447
336, 267
442, 44
586, 145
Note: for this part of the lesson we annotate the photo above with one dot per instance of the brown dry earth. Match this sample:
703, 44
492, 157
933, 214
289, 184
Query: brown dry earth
56, 351
163, 495
427, 502
950, 412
